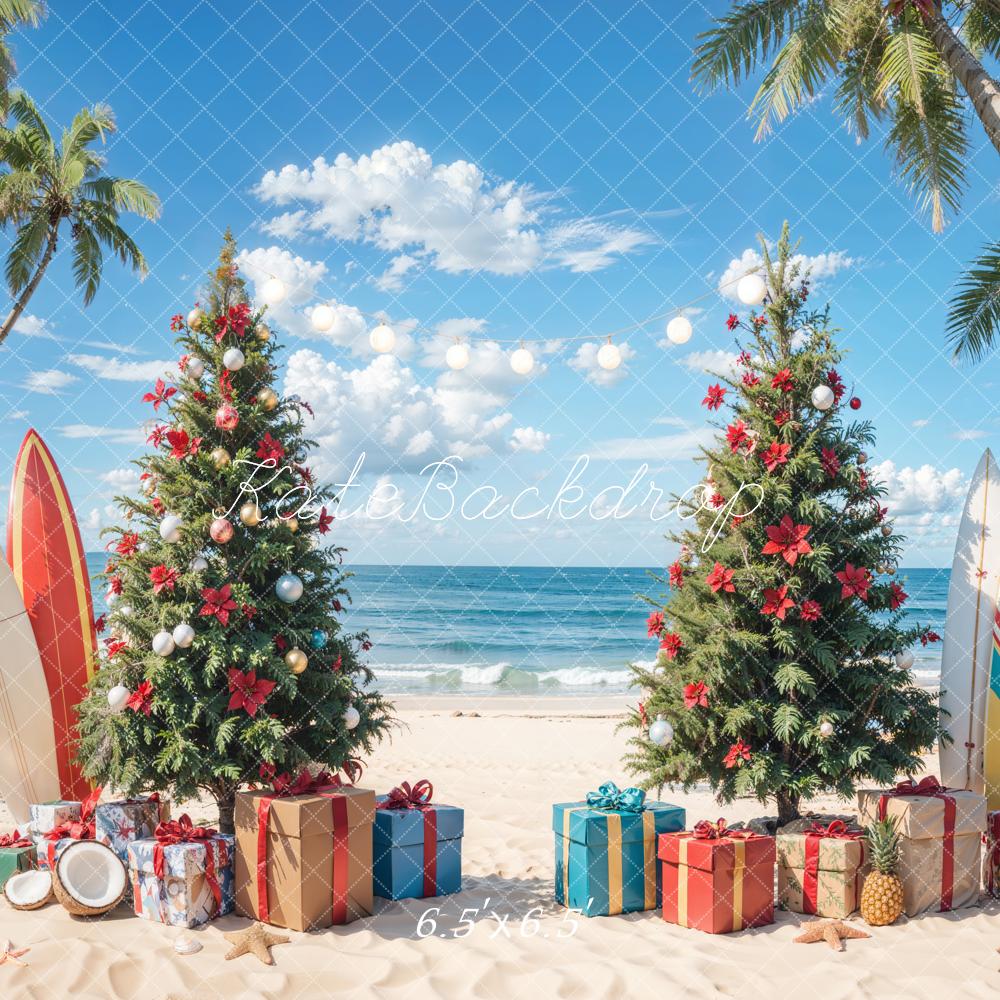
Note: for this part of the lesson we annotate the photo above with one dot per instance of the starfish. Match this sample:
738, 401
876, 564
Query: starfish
253, 940
11, 955
833, 932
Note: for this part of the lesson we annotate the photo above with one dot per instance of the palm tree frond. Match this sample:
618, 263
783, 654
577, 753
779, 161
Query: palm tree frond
909, 61
89, 125
124, 194
87, 261
982, 28
974, 315
14, 13
110, 234
17, 194
26, 250
26, 113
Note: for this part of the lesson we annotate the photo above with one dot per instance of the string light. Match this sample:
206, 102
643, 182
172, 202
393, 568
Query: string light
609, 357
751, 289
457, 356
382, 338
522, 361
322, 318
679, 330
273, 290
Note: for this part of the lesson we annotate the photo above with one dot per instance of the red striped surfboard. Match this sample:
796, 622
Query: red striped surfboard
46, 556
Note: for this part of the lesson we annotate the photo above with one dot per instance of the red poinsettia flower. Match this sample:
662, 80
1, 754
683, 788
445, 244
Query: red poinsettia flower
281, 643
896, 596
116, 584
141, 699
781, 418
183, 362
670, 645
114, 646
777, 603
929, 636
862, 480
758, 321
716, 501
325, 520
783, 380
249, 611
199, 397
226, 385
100, 623
676, 571
181, 445
696, 695
810, 611
155, 439
176, 322
738, 753
788, 540
714, 397
248, 692
736, 435
744, 359
854, 582
160, 394
128, 544
266, 771
218, 603
836, 383
163, 578
366, 644
158, 506
732, 321
830, 462
337, 664
751, 379
269, 448
776, 455
654, 624
337, 606
721, 579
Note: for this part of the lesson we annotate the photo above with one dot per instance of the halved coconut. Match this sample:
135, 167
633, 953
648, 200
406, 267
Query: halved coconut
29, 890
89, 879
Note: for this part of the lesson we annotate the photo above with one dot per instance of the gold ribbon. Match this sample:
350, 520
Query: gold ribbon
739, 867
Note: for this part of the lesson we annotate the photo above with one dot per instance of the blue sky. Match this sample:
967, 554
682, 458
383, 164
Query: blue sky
536, 171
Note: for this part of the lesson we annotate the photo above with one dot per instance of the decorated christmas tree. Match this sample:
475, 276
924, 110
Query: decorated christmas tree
783, 665
224, 659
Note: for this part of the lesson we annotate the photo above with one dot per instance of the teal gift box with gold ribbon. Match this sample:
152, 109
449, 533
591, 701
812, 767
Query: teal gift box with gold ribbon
605, 850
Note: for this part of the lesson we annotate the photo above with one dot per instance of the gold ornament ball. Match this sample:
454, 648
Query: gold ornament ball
263, 334
296, 660
886, 530
292, 524
220, 458
250, 514
267, 398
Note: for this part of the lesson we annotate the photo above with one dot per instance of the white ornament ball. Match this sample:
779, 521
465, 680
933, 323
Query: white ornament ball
661, 732
163, 643
322, 318
679, 330
195, 317
522, 361
125, 611
609, 357
117, 697
183, 635
822, 397
111, 598
751, 290
351, 717
382, 339
233, 359
272, 291
904, 659
196, 367
289, 588
198, 565
170, 527
826, 729
457, 356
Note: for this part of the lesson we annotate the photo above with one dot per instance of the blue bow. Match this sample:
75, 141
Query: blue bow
610, 796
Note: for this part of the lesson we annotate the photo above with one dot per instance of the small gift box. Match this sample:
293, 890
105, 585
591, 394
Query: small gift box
991, 854
183, 875
48, 815
716, 879
117, 824
51, 842
417, 847
941, 837
821, 869
605, 850
17, 854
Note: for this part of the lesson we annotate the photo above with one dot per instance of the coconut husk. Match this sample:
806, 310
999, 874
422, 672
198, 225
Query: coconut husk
64, 894
26, 906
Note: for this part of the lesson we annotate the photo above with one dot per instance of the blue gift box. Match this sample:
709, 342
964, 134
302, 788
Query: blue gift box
117, 824
409, 866
606, 854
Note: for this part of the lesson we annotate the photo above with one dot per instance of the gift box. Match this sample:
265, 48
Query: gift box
75, 821
17, 854
605, 850
716, 879
117, 824
991, 854
941, 836
821, 870
44, 816
304, 861
183, 876
416, 846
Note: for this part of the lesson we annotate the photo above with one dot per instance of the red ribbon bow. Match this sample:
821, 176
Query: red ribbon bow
81, 829
183, 831
707, 830
405, 797
837, 828
14, 840
926, 786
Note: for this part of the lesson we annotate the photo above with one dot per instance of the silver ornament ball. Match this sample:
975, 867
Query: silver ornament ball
352, 717
118, 696
661, 732
289, 588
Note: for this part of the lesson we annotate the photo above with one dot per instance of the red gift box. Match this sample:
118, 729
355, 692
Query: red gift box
717, 880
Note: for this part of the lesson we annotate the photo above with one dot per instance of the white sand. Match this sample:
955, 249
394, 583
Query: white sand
506, 768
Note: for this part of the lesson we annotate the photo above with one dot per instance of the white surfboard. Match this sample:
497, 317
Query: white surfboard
28, 771
968, 631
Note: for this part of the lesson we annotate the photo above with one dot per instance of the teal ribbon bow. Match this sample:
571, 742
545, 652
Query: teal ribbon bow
610, 796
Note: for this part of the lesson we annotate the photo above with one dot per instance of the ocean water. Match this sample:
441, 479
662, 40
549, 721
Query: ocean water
503, 629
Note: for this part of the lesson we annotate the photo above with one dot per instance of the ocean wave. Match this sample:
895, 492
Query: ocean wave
501, 676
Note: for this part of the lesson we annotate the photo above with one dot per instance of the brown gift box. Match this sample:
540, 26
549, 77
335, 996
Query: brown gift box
302, 862
840, 868
924, 859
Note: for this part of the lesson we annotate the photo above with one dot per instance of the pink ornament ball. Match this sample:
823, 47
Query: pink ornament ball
221, 530
226, 417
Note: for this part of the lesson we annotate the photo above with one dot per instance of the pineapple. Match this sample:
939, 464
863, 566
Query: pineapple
882, 894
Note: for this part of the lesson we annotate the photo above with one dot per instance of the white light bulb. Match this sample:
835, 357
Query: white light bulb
822, 397
751, 290
272, 291
679, 330
382, 339
457, 356
234, 359
322, 318
522, 361
609, 357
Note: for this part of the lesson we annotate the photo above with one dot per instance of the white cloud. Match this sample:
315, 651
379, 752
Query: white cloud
116, 370
920, 490
125, 478
920, 423
819, 267
391, 280
585, 362
116, 435
969, 434
450, 216
33, 326
107, 345
49, 382
529, 439
713, 362
653, 449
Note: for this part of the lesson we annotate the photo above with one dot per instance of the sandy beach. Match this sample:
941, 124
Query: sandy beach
503, 936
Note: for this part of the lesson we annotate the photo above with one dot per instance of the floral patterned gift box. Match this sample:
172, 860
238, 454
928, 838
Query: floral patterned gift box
117, 824
821, 869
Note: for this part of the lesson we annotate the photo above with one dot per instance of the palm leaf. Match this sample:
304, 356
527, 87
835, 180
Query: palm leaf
974, 314
863, 34
87, 261
909, 61
26, 113
124, 194
111, 235
18, 190
25, 251
89, 125
14, 13
982, 28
